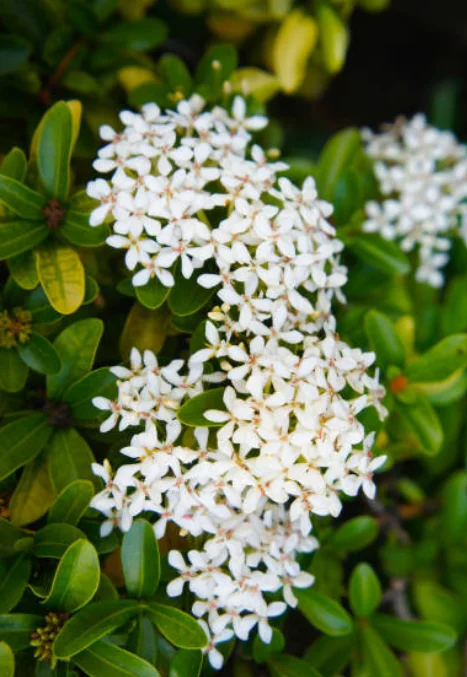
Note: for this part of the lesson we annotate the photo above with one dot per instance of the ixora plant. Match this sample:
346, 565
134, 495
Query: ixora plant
220, 475
186, 188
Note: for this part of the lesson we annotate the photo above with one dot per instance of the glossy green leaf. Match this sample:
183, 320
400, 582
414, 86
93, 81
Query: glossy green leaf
424, 424
77, 346
98, 383
70, 458
186, 663
192, 412
216, 66
364, 590
13, 582
62, 277
91, 623
383, 255
422, 636
16, 629
14, 164
21, 441
323, 612
23, 270
441, 361
435, 603
54, 146
454, 508
76, 229
384, 339
330, 655
54, 539
378, 657
142, 640
153, 294
21, 200
334, 36
72, 502
40, 355
76, 579
7, 660
9, 535
355, 534
13, 371
38, 305
141, 34
337, 156
175, 74
454, 309
187, 296
444, 393
263, 652
179, 628
16, 236
140, 560
293, 44
103, 659
33, 494
284, 665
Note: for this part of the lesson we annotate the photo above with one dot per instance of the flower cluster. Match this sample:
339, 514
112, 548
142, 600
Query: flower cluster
284, 439
422, 173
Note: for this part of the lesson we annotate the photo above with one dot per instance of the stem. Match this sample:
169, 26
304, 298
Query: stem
45, 93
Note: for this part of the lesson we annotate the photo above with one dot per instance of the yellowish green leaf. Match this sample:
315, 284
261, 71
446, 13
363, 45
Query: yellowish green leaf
61, 274
33, 495
262, 85
144, 329
295, 41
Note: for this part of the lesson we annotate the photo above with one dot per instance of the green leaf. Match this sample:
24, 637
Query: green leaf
21, 200
16, 629
324, 613
454, 508
432, 665
13, 582
13, 371
91, 623
62, 277
54, 539
142, 640
40, 355
38, 305
21, 441
103, 659
14, 53
7, 660
144, 329
153, 294
140, 560
384, 339
444, 393
175, 74
14, 164
436, 603
70, 459
441, 361
355, 534
77, 346
54, 146
382, 254
292, 47
187, 296
424, 424
33, 494
454, 308
192, 412
142, 34
216, 66
364, 591
98, 383
263, 652
9, 534
76, 229
334, 37
378, 657
23, 270
422, 636
76, 579
178, 628
338, 155
16, 236
330, 655
285, 665
186, 663
71, 504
